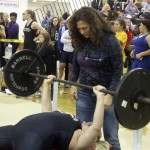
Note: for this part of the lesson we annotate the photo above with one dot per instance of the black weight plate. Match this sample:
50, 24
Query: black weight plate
130, 114
15, 75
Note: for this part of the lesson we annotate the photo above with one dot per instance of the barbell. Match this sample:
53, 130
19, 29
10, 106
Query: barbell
24, 74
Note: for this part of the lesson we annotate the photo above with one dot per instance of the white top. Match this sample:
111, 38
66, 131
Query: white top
146, 8
66, 40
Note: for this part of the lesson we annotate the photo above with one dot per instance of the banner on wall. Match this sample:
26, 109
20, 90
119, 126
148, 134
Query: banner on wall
9, 3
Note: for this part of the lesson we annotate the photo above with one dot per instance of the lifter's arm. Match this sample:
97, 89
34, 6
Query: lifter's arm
88, 137
46, 96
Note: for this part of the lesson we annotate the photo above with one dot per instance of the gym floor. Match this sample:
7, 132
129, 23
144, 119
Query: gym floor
13, 109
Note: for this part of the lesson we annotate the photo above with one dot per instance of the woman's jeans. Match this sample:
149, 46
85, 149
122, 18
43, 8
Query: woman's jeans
85, 107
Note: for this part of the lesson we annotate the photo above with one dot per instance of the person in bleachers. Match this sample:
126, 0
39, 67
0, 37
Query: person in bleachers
1, 17
105, 7
132, 10
145, 15
112, 15
47, 19
146, 7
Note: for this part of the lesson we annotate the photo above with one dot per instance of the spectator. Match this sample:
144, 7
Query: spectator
146, 7
5, 23
145, 15
46, 51
13, 30
129, 33
131, 9
67, 54
61, 31
129, 23
2, 50
105, 8
120, 27
141, 54
112, 15
30, 30
1, 18
130, 36
47, 20
53, 30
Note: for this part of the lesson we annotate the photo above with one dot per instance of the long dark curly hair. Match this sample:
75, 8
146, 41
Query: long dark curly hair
98, 27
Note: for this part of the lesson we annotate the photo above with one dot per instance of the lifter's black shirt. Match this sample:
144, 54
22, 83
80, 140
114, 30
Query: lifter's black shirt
54, 128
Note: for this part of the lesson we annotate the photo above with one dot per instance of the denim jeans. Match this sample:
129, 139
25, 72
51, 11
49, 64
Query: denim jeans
85, 107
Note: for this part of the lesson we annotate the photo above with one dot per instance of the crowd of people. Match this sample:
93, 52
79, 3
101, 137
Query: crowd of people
96, 44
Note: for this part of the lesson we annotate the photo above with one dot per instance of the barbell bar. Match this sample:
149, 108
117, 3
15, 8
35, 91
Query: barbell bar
72, 83
140, 99
24, 74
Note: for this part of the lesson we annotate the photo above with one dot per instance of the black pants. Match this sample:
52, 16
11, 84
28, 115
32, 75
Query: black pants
128, 62
14, 47
2, 53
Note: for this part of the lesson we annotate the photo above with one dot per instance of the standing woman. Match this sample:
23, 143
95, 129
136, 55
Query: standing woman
53, 32
120, 27
97, 60
46, 52
5, 23
67, 54
3, 34
2, 51
141, 54
30, 30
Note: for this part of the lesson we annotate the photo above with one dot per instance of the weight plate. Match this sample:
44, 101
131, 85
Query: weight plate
16, 73
130, 113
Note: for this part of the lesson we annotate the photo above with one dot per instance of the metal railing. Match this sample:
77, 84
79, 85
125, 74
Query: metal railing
58, 7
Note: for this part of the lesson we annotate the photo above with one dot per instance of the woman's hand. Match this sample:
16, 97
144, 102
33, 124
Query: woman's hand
108, 101
130, 47
73, 93
139, 56
132, 54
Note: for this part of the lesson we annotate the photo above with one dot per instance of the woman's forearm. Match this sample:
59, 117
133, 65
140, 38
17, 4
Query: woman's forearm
145, 53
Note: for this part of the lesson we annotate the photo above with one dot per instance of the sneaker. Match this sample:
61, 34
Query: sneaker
8, 91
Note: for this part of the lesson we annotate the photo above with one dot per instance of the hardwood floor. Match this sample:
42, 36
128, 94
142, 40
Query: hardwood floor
13, 109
